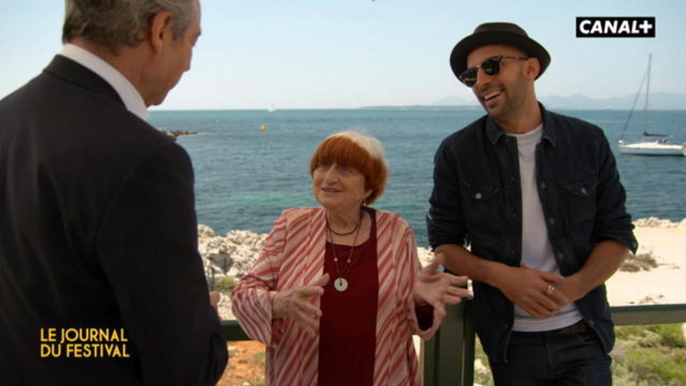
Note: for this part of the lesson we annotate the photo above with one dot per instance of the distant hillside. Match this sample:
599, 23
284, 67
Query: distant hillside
422, 107
455, 101
658, 101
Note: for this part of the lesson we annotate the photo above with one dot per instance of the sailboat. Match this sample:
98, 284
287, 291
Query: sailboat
650, 143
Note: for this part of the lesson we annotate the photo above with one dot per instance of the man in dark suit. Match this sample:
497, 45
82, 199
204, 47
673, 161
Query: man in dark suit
101, 282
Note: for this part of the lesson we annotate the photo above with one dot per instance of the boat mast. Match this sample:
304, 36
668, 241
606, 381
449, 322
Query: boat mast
633, 105
645, 108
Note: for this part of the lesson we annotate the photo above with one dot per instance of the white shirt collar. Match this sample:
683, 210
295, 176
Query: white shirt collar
533, 135
128, 94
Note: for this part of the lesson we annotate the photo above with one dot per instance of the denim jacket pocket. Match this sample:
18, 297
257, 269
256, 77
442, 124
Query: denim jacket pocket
481, 204
579, 198
481, 192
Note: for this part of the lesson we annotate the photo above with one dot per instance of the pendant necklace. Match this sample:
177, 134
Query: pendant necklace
341, 284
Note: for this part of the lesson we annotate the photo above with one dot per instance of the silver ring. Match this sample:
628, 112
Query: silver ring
550, 289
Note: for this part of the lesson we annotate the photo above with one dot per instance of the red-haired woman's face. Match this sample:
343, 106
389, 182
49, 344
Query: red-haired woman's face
339, 188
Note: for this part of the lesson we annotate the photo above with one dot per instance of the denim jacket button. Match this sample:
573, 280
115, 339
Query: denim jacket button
561, 256
551, 220
478, 196
543, 185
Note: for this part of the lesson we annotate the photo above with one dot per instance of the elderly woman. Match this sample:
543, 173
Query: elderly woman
338, 291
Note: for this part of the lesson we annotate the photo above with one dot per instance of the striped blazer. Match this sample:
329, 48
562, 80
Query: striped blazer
293, 256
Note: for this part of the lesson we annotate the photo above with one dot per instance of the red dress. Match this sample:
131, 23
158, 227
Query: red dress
347, 329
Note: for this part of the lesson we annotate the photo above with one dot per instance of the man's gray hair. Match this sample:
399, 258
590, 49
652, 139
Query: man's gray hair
112, 23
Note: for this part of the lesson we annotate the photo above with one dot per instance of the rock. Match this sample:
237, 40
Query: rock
176, 133
651, 300
643, 260
629, 266
217, 254
654, 222
225, 307
204, 231
245, 247
229, 256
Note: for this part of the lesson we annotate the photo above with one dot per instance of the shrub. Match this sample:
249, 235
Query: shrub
482, 374
652, 355
670, 335
224, 284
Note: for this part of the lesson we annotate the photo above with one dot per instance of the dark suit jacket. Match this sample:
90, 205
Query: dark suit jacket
97, 231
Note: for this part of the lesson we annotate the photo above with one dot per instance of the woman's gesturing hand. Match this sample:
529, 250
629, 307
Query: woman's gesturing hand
438, 288
297, 304
215, 297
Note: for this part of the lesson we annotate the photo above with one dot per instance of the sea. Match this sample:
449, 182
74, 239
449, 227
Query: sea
250, 165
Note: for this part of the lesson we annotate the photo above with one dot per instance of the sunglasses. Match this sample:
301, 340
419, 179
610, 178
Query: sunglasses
491, 67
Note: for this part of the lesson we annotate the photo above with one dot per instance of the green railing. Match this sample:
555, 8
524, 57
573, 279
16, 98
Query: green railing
448, 358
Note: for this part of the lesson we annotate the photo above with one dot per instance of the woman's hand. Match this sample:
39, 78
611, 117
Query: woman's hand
215, 297
297, 304
438, 288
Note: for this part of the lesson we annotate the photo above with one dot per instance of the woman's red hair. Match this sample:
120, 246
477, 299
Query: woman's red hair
352, 149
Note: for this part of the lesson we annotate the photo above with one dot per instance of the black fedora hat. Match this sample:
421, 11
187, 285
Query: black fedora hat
508, 34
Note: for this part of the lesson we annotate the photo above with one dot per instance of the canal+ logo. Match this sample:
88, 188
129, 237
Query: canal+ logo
615, 27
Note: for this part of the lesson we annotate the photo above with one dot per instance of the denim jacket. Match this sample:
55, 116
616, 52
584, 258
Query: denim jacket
476, 201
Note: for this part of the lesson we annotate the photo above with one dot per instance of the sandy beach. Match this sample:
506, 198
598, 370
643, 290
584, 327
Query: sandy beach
664, 284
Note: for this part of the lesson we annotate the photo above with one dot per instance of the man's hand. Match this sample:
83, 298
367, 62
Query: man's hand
536, 292
297, 304
569, 288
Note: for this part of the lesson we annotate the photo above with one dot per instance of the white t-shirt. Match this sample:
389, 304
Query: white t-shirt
537, 253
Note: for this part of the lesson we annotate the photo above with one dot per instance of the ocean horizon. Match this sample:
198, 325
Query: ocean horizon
250, 165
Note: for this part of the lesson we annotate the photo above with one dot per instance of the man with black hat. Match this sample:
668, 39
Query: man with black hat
537, 196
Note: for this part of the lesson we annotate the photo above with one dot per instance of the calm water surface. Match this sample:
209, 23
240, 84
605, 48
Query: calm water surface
246, 177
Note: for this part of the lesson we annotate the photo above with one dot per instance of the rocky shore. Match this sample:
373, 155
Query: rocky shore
176, 133
229, 257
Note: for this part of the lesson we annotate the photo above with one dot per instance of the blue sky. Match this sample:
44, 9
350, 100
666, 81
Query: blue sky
352, 53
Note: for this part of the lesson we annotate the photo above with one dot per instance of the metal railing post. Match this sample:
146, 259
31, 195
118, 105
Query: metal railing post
449, 355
